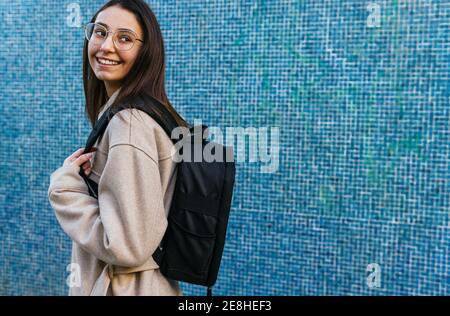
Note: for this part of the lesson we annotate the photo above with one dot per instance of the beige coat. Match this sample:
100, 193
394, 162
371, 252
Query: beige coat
115, 236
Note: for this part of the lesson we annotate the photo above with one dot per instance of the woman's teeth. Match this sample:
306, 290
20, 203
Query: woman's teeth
107, 62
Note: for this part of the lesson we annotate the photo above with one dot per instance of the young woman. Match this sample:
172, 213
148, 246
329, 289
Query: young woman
115, 236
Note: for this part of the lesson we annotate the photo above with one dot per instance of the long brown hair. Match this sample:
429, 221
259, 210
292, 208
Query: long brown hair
146, 76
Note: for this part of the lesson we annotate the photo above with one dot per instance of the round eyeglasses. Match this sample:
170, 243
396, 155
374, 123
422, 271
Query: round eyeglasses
122, 39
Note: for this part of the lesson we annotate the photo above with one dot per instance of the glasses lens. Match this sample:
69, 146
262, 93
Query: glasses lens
95, 32
124, 40
88, 31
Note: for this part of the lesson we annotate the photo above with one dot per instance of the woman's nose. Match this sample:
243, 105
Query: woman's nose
108, 43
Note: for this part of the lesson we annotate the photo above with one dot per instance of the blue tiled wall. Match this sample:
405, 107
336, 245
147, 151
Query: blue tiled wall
359, 90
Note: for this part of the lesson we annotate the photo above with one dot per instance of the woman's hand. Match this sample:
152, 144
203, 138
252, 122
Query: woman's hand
81, 160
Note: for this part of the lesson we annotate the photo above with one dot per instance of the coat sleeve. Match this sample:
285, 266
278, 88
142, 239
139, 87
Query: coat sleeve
126, 224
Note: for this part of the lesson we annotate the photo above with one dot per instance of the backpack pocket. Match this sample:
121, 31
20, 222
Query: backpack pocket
190, 247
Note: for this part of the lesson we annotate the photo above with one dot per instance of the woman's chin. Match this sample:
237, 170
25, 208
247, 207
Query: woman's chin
105, 76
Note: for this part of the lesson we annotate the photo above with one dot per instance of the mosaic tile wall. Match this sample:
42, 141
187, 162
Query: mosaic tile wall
359, 203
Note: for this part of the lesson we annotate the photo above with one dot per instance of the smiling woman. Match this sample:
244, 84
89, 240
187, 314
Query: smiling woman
124, 49
115, 234
111, 57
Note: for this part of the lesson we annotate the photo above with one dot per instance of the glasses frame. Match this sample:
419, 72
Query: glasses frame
111, 32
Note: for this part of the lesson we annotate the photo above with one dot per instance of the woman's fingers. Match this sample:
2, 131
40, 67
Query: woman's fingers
82, 159
77, 153
79, 158
73, 156
86, 165
88, 171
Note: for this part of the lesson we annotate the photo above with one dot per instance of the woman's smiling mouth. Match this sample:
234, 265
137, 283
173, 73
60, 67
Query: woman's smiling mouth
107, 62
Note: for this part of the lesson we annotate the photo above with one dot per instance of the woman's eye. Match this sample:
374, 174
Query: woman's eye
125, 39
99, 33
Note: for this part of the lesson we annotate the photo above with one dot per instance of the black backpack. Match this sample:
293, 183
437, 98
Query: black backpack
192, 246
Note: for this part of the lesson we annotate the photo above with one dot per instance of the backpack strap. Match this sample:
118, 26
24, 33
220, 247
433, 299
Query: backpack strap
96, 133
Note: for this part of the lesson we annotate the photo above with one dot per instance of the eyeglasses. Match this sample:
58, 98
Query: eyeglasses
122, 39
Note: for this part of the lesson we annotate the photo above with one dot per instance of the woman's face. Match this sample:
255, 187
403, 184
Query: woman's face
114, 18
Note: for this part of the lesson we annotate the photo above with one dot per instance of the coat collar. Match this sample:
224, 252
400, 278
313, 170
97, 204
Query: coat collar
108, 103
